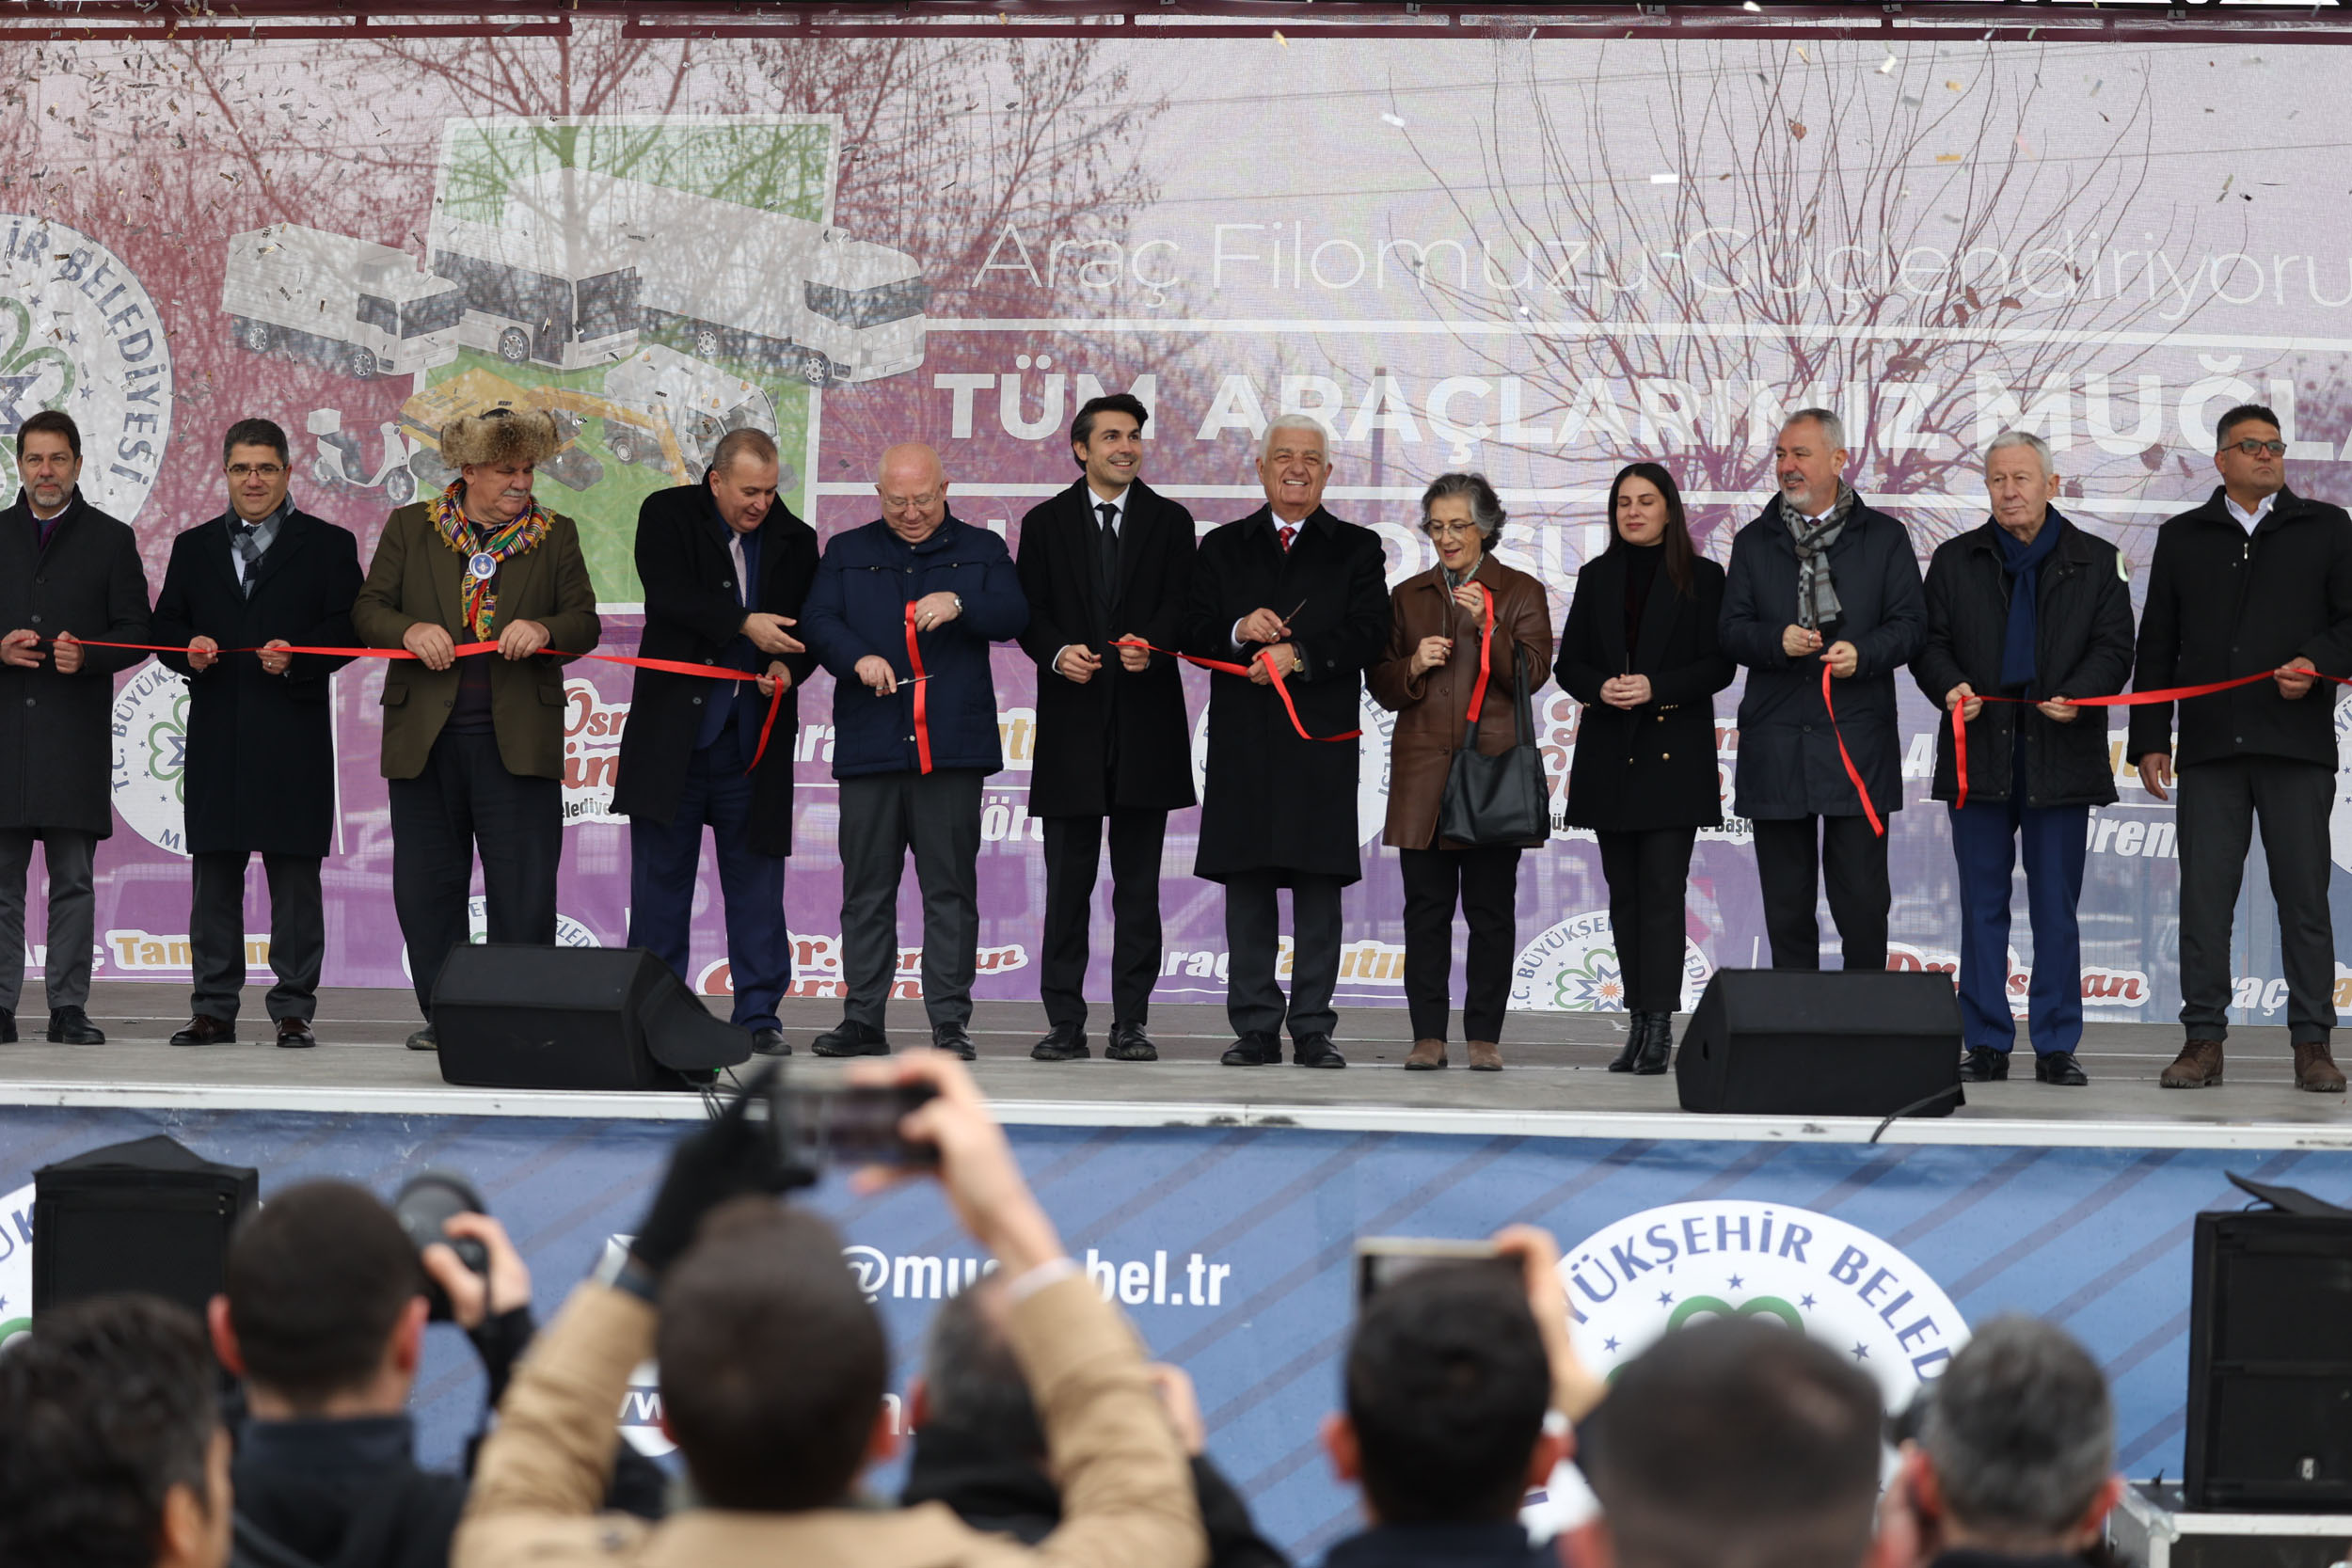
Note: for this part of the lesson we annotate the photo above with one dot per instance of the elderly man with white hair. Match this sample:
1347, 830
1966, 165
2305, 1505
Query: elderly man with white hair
2031, 611
1288, 590
902, 612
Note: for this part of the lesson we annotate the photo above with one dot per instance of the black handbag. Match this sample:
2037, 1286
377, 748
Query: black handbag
1497, 799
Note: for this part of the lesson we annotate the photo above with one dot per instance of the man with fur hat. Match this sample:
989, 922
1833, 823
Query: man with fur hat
474, 745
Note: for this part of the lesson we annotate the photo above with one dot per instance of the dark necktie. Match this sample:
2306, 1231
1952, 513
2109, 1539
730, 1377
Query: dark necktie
244, 539
1109, 547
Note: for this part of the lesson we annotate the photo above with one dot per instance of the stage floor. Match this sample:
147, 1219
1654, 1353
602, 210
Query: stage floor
1554, 1085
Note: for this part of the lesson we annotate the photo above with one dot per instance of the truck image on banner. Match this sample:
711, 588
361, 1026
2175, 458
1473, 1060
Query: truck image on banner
364, 308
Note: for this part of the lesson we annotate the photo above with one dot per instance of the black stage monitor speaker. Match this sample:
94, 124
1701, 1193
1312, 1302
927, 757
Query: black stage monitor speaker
1803, 1042
147, 1215
515, 1017
2270, 1366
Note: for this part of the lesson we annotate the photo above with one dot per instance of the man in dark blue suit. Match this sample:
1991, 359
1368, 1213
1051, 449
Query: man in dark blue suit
724, 567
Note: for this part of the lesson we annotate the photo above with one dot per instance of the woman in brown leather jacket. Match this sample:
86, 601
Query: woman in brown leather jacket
1638, 651
1426, 677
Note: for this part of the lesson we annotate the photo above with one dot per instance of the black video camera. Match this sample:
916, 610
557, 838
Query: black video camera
425, 1204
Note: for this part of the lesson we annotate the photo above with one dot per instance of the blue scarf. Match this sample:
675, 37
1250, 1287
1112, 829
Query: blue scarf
2024, 565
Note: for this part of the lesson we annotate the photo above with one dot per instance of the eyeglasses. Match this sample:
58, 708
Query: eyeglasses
2255, 449
1440, 531
246, 470
909, 504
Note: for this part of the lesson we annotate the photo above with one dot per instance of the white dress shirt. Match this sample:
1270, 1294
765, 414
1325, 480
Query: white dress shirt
1094, 509
2250, 522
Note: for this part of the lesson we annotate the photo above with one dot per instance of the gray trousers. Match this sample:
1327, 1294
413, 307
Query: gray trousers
1254, 1002
297, 933
73, 913
937, 815
2218, 803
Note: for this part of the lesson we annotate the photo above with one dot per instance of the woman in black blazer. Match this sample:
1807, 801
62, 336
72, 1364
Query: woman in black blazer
1639, 652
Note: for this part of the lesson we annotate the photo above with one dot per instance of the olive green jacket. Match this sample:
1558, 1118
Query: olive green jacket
414, 578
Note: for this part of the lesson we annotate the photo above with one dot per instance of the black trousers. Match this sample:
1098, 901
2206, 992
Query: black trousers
2218, 803
1852, 860
1073, 851
466, 801
1487, 883
298, 932
1648, 872
1253, 997
937, 815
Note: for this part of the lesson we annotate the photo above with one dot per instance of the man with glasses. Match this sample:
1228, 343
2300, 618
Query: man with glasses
902, 612
2256, 579
260, 763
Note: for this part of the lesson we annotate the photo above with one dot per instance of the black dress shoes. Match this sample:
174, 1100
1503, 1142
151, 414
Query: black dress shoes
1254, 1050
952, 1037
1657, 1046
293, 1034
770, 1042
2059, 1067
71, 1026
1129, 1043
1316, 1051
1067, 1043
424, 1039
851, 1039
204, 1029
1984, 1065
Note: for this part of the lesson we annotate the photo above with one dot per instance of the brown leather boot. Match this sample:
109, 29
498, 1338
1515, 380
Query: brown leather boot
2198, 1067
1485, 1056
1426, 1055
2315, 1070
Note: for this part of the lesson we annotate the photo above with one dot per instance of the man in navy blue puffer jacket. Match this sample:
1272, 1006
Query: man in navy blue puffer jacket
902, 612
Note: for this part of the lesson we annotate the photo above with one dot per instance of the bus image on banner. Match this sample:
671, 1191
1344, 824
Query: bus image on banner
534, 294
730, 282
364, 308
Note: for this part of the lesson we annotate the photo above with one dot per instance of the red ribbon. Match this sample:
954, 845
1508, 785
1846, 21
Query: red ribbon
1223, 667
465, 650
1486, 645
1878, 828
922, 689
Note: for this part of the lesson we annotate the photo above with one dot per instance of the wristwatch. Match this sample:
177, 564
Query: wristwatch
959, 601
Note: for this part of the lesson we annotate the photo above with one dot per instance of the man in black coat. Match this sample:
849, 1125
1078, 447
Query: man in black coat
1307, 591
2257, 579
259, 774
2032, 611
1820, 578
67, 572
724, 567
1109, 559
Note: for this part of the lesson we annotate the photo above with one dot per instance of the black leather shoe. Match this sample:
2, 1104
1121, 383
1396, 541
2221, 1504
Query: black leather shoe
1657, 1046
1254, 1050
952, 1037
204, 1029
8, 1028
851, 1039
1984, 1065
1067, 1043
770, 1042
71, 1026
1316, 1051
1129, 1043
293, 1034
424, 1039
2059, 1067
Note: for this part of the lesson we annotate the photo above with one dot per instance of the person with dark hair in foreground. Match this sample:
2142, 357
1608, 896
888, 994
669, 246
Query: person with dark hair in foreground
1735, 1444
979, 1446
774, 1369
2015, 1461
111, 1453
1460, 1381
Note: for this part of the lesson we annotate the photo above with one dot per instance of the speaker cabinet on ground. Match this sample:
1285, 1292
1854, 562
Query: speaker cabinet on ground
511, 1017
2270, 1363
1823, 1043
149, 1215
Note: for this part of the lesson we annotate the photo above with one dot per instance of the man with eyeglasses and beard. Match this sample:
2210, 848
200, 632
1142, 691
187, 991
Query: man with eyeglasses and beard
2256, 579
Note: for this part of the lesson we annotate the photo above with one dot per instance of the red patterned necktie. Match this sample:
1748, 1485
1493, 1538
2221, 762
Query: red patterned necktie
1287, 534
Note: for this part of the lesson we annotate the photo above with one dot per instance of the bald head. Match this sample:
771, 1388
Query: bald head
913, 490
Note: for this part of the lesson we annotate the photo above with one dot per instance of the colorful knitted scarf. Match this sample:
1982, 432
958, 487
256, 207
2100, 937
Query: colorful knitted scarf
520, 537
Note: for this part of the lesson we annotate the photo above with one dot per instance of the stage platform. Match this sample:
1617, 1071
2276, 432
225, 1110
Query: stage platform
1554, 1085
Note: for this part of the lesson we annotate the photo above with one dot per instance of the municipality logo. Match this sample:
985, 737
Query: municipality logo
1667, 1268
151, 756
1573, 968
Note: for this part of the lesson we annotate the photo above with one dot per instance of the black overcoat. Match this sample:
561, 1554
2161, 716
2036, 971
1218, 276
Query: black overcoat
1132, 725
261, 756
692, 614
1276, 802
57, 736
1789, 765
2082, 648
1653, 766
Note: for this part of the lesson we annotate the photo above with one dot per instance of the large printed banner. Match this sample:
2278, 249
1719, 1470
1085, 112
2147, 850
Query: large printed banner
1890, 1254
1539, 259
